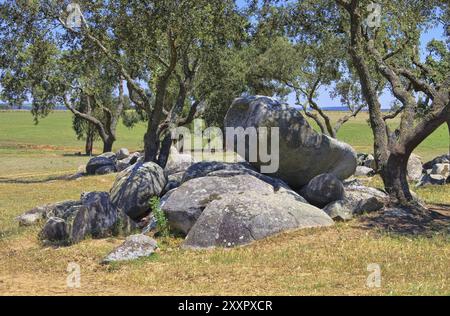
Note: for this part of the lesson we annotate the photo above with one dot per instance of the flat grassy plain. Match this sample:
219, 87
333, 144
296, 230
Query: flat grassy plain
330, 261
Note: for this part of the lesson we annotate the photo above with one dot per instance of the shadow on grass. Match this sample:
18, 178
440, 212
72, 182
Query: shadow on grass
402, 221
69, 177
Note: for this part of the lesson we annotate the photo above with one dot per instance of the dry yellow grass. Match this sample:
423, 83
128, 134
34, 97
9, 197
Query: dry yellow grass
312, 262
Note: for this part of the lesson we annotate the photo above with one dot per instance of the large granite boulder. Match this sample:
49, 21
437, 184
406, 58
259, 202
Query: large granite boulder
55, 231
323, 189
102, 215
93, 216
184, 205
237, 219
101, 164
134, 247
135, 186
303, 153
224, 169
69, 229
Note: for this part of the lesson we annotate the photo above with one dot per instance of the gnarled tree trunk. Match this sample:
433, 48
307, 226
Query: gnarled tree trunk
395, 178
108, 144
392, 150
89, 146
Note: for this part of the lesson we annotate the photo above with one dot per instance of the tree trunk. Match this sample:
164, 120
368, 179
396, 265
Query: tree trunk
89, 142
165, 151
108, 145
151, 144
395, 178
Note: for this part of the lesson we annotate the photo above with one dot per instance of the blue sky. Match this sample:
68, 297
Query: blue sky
386, 99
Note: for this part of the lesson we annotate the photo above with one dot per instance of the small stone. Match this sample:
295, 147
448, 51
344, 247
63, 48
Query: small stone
134, 247
339, 211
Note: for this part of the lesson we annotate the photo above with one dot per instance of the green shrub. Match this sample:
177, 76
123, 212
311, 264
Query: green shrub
161, 220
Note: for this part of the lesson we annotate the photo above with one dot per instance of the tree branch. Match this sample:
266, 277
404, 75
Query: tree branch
110, 56
419, 85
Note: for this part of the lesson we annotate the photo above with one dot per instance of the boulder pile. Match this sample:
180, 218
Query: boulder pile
111, 162
367, 166
70, 222
434, 172
213, 203
223, 204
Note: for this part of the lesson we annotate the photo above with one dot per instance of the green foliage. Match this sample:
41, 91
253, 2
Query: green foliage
161, 220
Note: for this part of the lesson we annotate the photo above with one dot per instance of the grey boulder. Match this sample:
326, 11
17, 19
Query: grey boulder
237, 219
440, 159
184, 205
101, 164
71, 228
339, 210
54, 231
224, 169
442, 169
366, 160
432, 179
123, 164
122, 154
323, 189
106, 170
102, 215
370, 162
173, 181
362, 171
303, 153
134, 247
44, 212
135, 186
361, 199
94, 216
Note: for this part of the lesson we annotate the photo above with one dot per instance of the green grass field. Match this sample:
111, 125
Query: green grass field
310, 262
